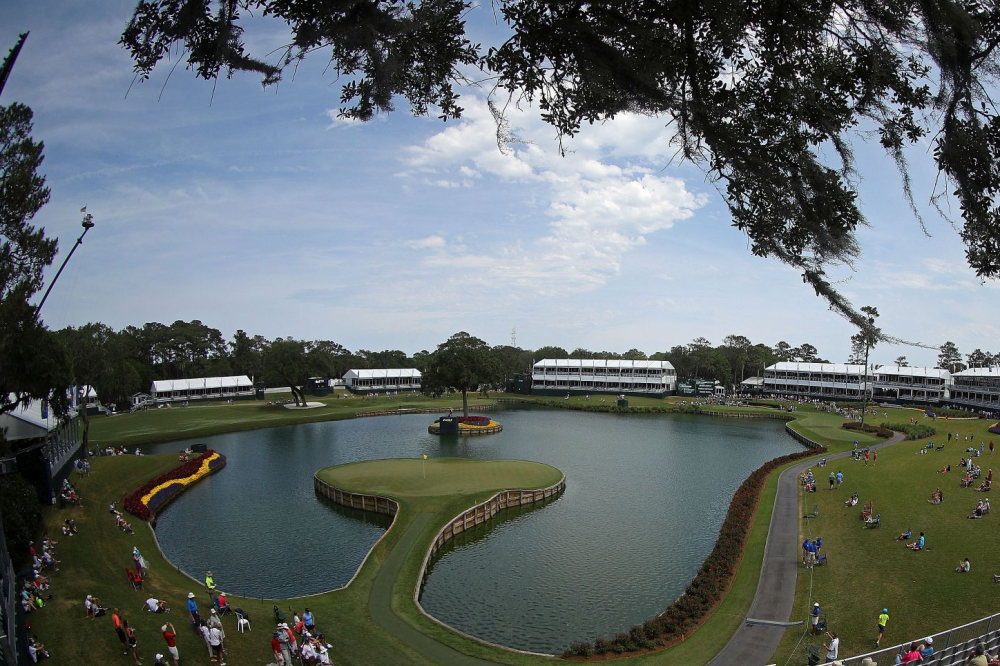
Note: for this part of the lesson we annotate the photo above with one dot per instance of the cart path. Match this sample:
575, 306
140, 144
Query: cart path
776, 588
380, 603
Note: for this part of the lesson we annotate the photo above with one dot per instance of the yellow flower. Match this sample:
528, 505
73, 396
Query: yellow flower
202, 471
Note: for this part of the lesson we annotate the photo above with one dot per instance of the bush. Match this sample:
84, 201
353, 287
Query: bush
22, 515
868, 428
917, 431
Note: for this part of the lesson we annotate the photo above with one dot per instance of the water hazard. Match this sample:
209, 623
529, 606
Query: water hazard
644, 500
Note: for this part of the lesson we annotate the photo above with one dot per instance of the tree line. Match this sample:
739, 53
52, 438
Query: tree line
119, 364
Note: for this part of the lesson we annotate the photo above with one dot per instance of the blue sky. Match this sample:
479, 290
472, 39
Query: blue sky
258, 209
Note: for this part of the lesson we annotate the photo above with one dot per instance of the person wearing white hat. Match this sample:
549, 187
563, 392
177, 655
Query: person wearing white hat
868, 661
192, 607
927, 648
815, 618
159, 660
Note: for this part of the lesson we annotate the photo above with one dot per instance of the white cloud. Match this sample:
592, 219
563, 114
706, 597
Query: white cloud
601, 199
428, 242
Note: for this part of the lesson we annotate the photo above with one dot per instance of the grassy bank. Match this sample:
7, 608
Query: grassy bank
356, 637
869, 570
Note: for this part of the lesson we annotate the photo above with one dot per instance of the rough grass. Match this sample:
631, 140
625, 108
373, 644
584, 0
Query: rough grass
869, 570
343, 614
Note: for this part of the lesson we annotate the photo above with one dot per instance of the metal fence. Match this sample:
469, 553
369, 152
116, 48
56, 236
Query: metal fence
942, 641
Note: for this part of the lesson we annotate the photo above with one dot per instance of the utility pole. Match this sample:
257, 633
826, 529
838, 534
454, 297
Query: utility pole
87, 224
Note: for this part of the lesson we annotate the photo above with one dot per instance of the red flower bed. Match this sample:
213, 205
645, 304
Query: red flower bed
133, 501
475, 420
709, 585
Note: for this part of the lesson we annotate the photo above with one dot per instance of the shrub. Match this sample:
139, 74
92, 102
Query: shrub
22, 515
913, 431
878, 431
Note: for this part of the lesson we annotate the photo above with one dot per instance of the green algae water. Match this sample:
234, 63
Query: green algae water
644, 500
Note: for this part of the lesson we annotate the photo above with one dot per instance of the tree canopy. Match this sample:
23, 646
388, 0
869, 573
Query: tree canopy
32, 364
461, 363
756, 93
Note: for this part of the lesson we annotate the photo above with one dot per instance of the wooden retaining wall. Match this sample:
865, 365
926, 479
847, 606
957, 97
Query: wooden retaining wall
749, 415
480, 514
802, 439
374, 503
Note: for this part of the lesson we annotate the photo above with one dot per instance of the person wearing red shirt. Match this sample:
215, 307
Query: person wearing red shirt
170, 636
276, 648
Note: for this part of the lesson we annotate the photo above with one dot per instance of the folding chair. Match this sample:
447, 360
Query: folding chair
242, 620
134, 578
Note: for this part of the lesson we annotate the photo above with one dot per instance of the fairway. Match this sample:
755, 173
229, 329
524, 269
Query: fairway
399, 478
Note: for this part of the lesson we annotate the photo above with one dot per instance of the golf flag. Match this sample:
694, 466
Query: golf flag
425, 456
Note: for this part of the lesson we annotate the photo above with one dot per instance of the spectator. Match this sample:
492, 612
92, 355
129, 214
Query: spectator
192, 607
918, 544
927, 648
964, 566
154, 605
833, 647
170, 636
912, 655
979, 656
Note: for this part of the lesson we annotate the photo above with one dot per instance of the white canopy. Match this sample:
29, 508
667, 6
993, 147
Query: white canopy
201, 383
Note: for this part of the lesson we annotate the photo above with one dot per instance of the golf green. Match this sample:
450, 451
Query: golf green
437, 477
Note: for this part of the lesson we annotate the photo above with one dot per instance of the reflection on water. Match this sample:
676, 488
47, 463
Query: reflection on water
644, 500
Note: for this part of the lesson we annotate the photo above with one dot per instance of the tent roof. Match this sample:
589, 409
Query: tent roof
601, 363
162, 385
913, 372
382, 373
836, 368
993, 371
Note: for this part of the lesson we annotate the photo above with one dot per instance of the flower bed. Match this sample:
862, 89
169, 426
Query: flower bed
146, 500
480, 421
995, 428
709, 585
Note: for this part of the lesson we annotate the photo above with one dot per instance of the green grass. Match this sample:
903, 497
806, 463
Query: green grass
101, 551
869, 570
430, 480
214, 418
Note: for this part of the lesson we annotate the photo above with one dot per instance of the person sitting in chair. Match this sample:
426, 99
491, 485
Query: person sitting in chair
918, 544
905, 535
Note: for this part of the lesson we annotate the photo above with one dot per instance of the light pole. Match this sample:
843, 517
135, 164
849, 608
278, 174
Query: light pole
87, 224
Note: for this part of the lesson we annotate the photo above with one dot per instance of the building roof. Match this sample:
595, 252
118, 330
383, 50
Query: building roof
380, 373
601, 363
835, 368
27, 422
993, 371
753, 381
163, 385
913, 372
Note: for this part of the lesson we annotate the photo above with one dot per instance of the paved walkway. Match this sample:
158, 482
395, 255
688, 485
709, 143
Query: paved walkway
775, 595
380, 604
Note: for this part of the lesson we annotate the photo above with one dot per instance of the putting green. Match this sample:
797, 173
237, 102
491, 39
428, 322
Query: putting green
437, 477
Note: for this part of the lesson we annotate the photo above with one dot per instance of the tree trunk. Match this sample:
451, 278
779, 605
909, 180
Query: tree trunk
296, 394
465, 401
85, 418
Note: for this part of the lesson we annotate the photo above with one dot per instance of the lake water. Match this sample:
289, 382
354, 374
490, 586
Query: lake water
644, 500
